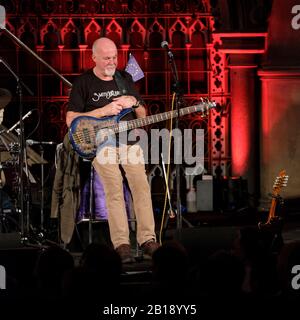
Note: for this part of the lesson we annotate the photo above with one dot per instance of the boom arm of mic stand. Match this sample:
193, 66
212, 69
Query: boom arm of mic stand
23, 45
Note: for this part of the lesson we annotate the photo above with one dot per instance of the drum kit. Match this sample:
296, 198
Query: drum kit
10, 173
15, 153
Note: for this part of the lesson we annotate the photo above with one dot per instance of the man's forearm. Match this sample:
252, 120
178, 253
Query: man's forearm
71, 115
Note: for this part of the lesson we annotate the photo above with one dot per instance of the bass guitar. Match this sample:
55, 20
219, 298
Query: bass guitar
87, 133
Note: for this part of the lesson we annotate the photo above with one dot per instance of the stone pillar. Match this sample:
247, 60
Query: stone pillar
244, 116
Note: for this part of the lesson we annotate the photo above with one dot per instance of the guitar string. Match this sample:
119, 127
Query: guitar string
124, 126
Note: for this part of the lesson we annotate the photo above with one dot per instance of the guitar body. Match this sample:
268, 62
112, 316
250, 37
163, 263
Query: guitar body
85, 131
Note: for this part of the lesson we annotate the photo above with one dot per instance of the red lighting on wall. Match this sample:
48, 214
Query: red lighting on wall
242, 118
240, 138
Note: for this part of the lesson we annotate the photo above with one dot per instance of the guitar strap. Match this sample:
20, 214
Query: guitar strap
121, 83
124, 89
125, 86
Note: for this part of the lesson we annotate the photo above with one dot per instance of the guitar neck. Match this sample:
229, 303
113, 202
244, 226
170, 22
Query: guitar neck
141, 122
272, 210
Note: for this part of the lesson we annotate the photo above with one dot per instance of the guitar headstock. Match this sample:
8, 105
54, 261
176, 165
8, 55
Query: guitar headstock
206, 106
280, 182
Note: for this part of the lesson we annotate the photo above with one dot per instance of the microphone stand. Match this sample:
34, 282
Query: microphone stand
42, 190
22, 150
178, 91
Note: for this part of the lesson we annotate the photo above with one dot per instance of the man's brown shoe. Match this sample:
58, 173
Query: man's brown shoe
124, 252
148, 248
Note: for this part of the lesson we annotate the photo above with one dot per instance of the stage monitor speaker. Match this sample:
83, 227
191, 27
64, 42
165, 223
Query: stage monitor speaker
205, 195
203, 241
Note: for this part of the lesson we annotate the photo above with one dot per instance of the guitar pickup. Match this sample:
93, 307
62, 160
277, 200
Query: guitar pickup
86, 135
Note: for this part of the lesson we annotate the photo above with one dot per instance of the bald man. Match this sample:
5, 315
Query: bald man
97, 93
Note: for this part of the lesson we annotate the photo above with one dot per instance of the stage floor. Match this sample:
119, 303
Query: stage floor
205, 233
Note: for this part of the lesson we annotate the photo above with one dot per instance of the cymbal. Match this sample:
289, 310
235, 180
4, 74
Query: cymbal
5, 97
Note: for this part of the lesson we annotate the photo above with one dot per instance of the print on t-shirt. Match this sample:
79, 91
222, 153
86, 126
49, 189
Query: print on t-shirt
107, 95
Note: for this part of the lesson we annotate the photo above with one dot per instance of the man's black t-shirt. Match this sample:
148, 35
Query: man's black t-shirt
89, 92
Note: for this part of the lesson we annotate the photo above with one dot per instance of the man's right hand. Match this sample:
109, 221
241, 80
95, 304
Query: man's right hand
111, 109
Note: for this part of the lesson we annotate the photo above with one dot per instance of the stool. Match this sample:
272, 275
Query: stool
92, 207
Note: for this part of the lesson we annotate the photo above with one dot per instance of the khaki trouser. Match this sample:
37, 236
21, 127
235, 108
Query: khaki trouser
131, 160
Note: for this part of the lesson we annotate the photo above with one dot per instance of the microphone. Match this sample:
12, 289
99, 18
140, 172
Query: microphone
24, 117
31, 142
165, 46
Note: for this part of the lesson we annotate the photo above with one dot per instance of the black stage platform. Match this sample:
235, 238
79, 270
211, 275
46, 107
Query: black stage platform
210, 232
